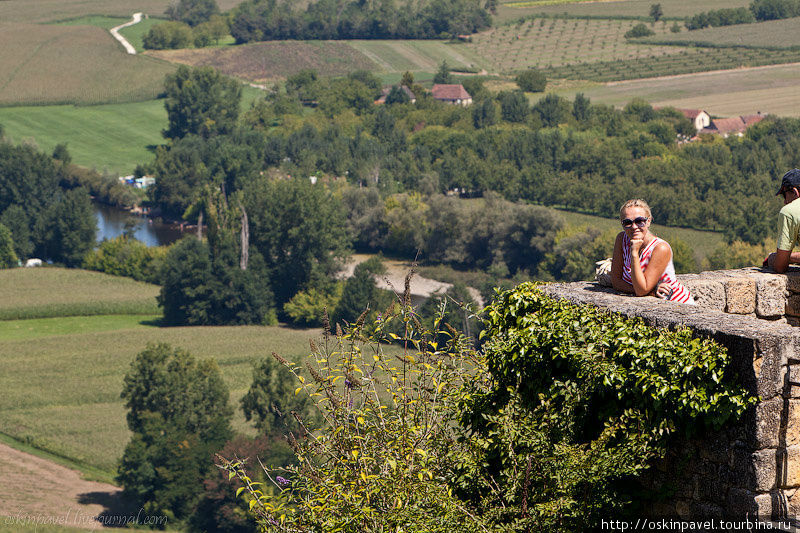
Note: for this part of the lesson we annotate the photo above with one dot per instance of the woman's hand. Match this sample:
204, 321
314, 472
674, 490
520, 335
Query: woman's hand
663, 291
636, 245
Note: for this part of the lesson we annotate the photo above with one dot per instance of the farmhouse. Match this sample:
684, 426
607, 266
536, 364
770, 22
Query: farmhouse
451, 94
732, 126
699, 118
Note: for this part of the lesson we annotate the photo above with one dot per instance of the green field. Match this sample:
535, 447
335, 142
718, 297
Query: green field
770, 34
112, 137
135, 34
100, 21
61, 377
56, 292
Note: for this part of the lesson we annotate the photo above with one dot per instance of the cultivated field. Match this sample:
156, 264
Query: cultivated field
770, 34
416, 56
543, 43
514, 9
58, 10
771, 89
49, 292
274, 60
113, 137
50, 64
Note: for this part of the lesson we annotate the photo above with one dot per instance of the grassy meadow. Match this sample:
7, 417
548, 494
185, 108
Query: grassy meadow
56, 64
61, 377
769, 34
57, 292
113, 137
769, 89
135, 34
514, 9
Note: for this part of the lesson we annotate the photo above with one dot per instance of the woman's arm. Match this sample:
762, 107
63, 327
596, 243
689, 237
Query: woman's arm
644, 282
616, 268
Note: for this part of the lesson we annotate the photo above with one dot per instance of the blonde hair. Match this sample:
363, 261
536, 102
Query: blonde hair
636, 202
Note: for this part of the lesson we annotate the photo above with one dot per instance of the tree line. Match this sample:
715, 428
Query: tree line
199, 22
757, 11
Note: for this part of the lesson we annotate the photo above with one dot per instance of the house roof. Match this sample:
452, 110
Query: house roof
691, 113
446, 91
386, 90
749, 120
728, 125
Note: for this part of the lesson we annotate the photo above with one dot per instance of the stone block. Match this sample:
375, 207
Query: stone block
765, 469
768, 423
771, 296
741, 503
708, 294
771, 506
790, 467
792, 280
793, 305
792, 423
793, 382
740, 295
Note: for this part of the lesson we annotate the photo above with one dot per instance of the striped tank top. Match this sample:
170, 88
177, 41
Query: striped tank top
679, 292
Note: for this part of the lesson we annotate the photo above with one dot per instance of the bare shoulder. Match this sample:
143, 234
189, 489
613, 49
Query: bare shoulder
662, 248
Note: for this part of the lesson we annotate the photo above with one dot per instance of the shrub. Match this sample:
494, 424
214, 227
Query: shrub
640, 30
126, 256
532, 81
168, 35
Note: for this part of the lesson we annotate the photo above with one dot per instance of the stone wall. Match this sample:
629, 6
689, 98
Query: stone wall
753, 467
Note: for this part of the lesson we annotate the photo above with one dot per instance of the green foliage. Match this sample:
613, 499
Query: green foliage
206, 287
581, 400
376, 461
192, 12
720, 17
8, 257
656, 12
360, 295
639, 30
537, 433
307, 307
271, 401
179, 414
70, 228
514, 106
299, 230
532, 81
168, 36
775, 9
200, 101
484, 113
443, 74
575, 252
738, 254
126, 256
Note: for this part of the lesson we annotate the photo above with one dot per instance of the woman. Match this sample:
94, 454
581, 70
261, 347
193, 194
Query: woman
642, 263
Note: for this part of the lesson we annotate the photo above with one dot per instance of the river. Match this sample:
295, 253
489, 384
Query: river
111, 223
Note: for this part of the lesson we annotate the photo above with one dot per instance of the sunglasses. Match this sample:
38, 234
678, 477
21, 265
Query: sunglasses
639, 221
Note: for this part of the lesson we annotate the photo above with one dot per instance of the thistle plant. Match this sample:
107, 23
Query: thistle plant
379, 460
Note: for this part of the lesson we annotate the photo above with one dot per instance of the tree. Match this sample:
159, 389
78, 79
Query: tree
71, 228
205, 287
397, 96
656, 12
514, 106
551, 109
443, 74
299, 229
8, 258
271, 401
360, 292
581, 108
532, 81
200, 101
639, 30
192, 12
179, 414
484, 113
168, 36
